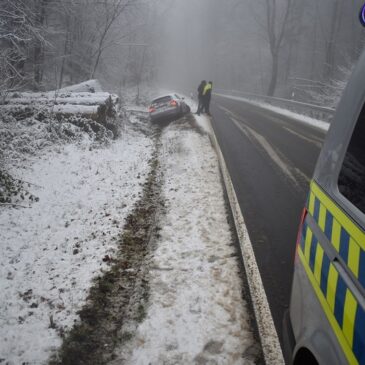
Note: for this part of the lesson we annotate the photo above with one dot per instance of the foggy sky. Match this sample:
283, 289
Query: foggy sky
208, 39
227, 42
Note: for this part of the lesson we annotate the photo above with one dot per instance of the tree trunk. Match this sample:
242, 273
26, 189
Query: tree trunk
313, 72
140, 74
65, 51
274, 74
289, 63
38, 51
331, 43
275, 38
96, 64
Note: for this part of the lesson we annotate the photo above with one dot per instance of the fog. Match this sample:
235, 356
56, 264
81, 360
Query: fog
209, 40
236, 44
290, 48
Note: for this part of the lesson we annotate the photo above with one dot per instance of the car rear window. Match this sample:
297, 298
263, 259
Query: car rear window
162, 100
351, 181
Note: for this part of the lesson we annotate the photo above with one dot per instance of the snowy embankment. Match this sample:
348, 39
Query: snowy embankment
51, 252
281, 111
54, 246
196, 313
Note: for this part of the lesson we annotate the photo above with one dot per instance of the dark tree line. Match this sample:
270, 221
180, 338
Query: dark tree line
51, 43
313, 44
21, 37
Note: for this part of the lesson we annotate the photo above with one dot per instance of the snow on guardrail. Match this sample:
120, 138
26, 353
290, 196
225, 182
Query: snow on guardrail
294, 116
312, 110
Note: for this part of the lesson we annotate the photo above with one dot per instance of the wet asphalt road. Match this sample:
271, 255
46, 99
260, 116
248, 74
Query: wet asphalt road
271, 160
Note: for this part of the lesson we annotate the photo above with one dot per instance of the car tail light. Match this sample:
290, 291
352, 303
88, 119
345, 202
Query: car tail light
173, 102
299, 236
151, 109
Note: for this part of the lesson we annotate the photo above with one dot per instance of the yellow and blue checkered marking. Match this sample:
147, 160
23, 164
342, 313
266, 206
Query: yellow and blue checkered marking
346, 237
345, 314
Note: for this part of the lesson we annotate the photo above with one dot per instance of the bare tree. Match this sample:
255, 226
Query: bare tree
331, 41
18, 31
39, 10
276, 24
110, 12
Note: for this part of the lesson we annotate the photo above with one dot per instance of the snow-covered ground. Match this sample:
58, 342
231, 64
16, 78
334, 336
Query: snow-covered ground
196, 313
50, 252
281, 111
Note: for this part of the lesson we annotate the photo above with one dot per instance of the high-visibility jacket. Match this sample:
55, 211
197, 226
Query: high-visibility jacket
207, 89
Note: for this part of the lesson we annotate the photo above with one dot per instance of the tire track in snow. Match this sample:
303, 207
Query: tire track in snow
197, 313
121, 293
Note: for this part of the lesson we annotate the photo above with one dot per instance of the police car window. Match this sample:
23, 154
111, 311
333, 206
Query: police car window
351, 181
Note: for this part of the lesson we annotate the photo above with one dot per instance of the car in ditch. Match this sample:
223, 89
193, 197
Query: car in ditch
325, 323
167, 108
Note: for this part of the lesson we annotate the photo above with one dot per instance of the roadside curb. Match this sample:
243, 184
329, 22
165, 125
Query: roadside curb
268, 336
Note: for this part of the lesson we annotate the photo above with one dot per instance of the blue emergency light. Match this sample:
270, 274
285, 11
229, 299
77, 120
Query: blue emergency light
362, 15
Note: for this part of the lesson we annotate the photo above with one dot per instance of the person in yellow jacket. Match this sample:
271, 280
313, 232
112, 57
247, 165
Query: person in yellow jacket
200, 96
207, 95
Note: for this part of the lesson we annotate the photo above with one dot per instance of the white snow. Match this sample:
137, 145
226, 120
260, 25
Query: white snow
85, 86
294, 116
66, 109
50, 253
197, 313
84, 98
84, 198
66, 103
75, 109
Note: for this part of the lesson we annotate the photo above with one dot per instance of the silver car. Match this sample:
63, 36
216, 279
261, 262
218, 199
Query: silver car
168, 107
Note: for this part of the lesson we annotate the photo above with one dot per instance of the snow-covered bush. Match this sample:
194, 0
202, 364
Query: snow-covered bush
29, 135
14, 191
24, 135
326, 94
31, 122
19, 30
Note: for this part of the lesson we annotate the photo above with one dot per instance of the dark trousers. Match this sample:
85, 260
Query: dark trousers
206, 104
200, 105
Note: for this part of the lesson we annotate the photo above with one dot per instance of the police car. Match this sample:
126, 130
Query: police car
325, 323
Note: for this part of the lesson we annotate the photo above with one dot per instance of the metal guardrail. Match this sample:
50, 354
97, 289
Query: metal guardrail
311, 110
